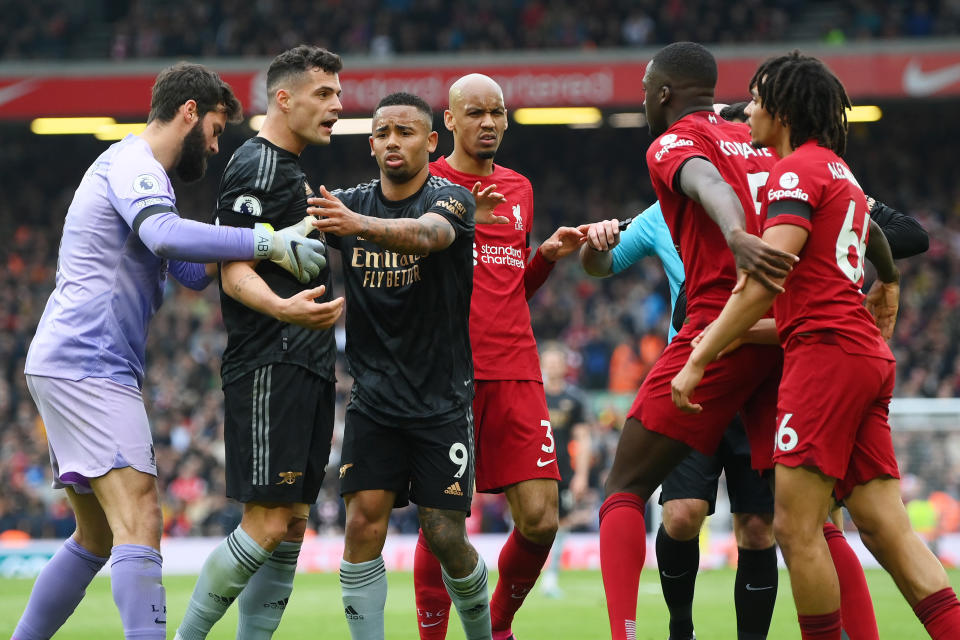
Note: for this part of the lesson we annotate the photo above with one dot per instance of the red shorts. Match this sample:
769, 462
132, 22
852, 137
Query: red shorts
743, 381
514, 441
832, 414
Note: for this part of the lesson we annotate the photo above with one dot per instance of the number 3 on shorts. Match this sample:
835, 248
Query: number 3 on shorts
458, 454
786, 437
547, 448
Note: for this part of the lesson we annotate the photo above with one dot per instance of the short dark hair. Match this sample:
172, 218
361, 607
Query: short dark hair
687, 61
299, 60
404, 99
735, 112
187, 81
803, 93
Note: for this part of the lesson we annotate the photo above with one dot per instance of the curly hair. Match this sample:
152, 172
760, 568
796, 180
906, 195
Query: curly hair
801, 92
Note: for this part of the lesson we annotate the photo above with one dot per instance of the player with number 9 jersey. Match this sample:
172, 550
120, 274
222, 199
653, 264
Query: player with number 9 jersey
840, 429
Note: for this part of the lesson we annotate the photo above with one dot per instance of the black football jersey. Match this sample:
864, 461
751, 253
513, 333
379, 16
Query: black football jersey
264, 183
407, 316
567, 409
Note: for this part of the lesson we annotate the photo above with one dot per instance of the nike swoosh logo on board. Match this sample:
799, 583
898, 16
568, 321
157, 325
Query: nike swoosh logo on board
917, 82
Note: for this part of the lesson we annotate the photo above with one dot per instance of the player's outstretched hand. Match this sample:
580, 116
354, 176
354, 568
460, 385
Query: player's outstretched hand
883, 301
756, 258
682, 386
334, 216
303, 311
603, 235
292, 249
488, 200
563, 242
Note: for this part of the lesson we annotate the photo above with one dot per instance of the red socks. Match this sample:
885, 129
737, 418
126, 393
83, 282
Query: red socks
623, 548
856, 606
433, 601
520, 564
940, 614
820, 627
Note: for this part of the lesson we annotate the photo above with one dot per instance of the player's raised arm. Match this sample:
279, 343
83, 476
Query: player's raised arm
426, 234
701, 182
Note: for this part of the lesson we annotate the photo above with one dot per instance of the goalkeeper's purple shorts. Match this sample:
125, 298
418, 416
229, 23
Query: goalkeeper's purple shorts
93, 425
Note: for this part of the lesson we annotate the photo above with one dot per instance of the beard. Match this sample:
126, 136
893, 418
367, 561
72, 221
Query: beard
193, 156
486, 155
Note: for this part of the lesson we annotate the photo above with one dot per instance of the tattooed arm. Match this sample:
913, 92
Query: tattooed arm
245, 285
428, 233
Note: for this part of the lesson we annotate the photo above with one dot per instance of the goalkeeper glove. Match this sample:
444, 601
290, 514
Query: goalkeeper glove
291, 248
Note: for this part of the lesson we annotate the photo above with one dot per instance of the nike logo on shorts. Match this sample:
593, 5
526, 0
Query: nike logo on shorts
543, 463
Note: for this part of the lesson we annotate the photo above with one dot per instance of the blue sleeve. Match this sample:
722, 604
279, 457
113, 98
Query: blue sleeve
192, 275
638, 240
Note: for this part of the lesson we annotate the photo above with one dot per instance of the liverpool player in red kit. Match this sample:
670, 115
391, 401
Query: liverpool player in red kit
832, 430
705, 174
515, 449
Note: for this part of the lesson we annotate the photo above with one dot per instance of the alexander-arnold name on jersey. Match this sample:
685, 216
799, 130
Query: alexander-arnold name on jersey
386, 268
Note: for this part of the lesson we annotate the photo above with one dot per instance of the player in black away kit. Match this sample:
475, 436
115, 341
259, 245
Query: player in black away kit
278, 367
406, 242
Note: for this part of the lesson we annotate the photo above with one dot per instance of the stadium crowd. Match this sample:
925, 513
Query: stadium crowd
125, 29
614, 328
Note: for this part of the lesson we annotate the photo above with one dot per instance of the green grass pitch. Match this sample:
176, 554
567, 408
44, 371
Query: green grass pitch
315, 612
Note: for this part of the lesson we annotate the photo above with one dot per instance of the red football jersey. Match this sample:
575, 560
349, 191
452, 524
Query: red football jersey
822, 293
707, 261
500, 334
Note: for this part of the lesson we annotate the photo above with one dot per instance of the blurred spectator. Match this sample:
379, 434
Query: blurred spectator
123, 29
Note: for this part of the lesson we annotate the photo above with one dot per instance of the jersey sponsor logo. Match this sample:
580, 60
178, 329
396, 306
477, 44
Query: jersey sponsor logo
344, 468
289, 477
452, 205
494, 254
671, 141
454, 489
146, 183
386, 268
789, 180
787, 194
248, 205
742, 149
518, 224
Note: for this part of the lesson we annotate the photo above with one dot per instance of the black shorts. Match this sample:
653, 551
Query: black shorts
697, 476
430, 466
278, 424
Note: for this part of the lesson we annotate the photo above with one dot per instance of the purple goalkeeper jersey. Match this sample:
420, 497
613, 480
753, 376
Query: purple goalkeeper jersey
109, 284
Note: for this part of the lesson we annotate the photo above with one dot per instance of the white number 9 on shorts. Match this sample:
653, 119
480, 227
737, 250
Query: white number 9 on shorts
458, 454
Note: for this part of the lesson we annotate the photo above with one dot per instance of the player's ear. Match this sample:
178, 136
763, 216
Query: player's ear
432, 141
665, 94
372, 152
506, 119
189, 111
282, 96
448, 121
